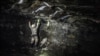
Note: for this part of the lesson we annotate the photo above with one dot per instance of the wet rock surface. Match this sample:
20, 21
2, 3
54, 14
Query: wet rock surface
40, 28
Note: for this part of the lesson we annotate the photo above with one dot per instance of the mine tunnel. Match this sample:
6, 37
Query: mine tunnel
49, 27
